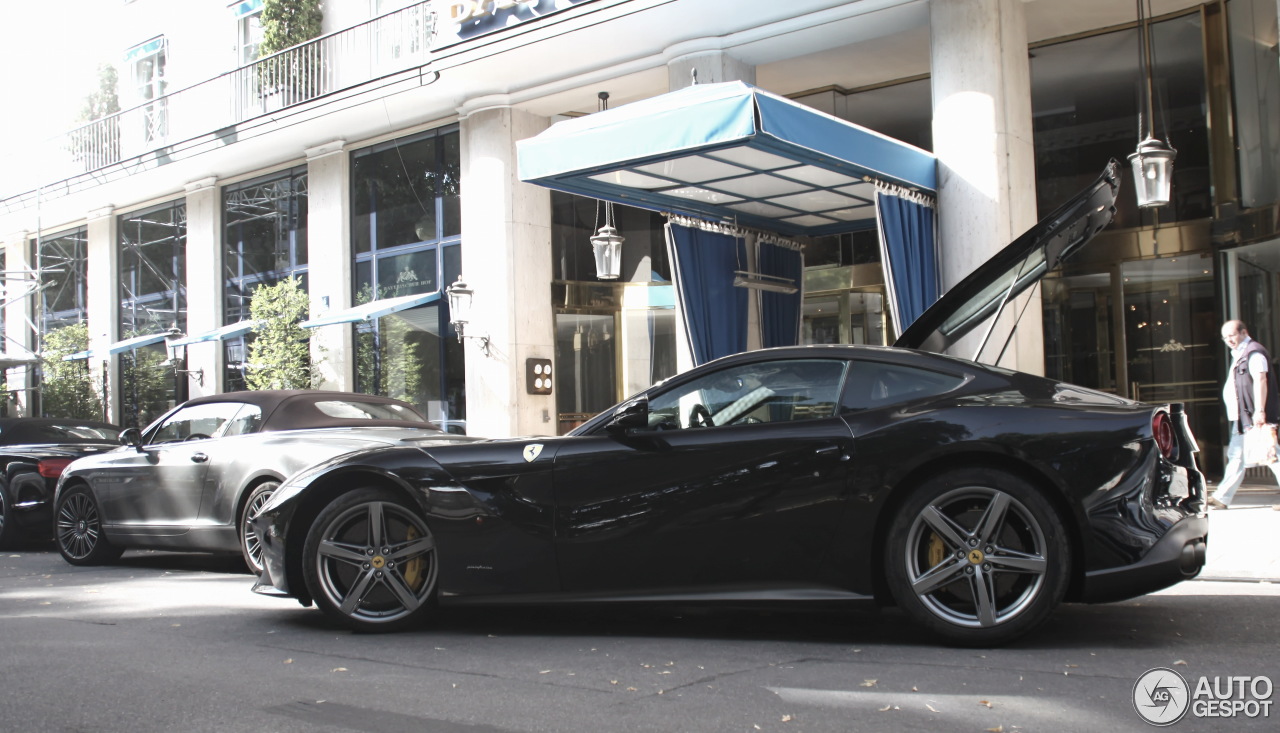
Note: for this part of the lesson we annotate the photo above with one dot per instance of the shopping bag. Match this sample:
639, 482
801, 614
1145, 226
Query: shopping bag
1260, 446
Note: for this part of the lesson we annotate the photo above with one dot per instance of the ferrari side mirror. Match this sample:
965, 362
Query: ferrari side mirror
634, 414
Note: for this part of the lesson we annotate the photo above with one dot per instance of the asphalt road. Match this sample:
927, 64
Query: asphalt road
167, 642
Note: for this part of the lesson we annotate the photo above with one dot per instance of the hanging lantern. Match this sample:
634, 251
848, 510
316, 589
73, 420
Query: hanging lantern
607, 246
1152, 172
1153, 160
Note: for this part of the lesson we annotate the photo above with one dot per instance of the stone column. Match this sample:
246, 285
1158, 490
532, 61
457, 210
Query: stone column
506, 259
982, 136
19, 314
205, 295
329, 260
103, 299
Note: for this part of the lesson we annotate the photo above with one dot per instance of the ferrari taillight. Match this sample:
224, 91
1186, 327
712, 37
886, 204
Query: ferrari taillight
1162, 431
52, 467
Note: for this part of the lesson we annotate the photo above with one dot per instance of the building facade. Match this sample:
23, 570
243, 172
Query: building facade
378, 163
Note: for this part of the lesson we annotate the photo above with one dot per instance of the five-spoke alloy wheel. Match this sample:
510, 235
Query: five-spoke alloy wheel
78, 529
369, 561
978, 556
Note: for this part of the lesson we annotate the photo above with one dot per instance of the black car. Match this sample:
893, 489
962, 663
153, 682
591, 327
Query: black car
974, 497
33, 453
191, 479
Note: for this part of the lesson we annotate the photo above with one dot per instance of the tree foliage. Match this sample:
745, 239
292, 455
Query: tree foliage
67, 388
286, 23
280, 355
105, 100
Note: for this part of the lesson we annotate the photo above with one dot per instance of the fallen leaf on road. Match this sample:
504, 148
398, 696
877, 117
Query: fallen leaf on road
868, 683
932, 708
288, 661
985, 702
338, 669
786, 718
1183, 662
997, 729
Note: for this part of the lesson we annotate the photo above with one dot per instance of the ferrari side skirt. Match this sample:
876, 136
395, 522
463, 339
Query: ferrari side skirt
725, 594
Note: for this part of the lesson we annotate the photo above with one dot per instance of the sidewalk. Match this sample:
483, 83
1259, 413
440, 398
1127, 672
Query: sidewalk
1244, 541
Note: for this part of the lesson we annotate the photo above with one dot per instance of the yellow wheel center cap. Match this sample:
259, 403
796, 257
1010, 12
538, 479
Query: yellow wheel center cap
976, 557
378, 561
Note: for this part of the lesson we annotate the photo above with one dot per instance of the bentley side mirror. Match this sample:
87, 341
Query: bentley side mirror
133, 437
634, 414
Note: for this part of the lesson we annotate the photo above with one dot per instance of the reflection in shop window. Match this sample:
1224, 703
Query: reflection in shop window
1084, 97
153, 299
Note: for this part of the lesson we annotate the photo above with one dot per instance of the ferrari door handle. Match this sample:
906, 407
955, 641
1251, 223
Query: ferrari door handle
199, 457
831, 449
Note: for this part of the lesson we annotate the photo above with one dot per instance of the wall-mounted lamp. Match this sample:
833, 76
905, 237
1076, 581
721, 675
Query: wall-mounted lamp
1153, 161
177, 357
460, 297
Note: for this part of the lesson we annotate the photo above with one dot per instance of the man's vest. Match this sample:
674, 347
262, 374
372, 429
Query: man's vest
1244, 387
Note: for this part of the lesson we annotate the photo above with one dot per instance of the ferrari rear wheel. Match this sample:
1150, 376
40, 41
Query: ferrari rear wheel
250, 547
78, 529
370, 562
978, 556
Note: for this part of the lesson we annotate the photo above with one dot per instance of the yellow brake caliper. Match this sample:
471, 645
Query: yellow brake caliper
413, 569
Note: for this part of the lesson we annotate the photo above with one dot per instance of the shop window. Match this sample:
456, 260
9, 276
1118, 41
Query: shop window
406, 222
575, 219
1085, 98
265, 241
153, 299
63, 263
1255, 85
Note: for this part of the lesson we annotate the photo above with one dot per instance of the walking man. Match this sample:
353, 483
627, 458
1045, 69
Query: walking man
1252, 400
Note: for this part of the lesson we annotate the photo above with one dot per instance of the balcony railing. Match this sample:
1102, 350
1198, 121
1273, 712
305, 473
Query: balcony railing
388, 44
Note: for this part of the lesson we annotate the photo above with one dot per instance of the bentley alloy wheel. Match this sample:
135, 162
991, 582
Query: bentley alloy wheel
370, 561
978, 556
250, 547
78, 529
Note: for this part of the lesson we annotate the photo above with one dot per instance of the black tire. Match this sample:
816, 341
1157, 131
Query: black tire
369, 562
977, 556
10, 533
77, 528
250, 547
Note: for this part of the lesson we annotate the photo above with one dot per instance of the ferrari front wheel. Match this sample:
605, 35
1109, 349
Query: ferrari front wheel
978, 556
369, 561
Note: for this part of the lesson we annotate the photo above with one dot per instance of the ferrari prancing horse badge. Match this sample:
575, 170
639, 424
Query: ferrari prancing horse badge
532, 451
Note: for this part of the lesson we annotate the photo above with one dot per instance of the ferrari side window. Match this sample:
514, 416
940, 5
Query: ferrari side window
876, 384
774, 391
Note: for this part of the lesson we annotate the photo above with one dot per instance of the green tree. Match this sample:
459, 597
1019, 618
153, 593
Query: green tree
285, 24
67, 389
280, 355
98, 145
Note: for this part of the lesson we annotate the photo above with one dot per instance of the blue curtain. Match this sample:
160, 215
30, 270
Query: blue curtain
780, 312
907, 250
715, 312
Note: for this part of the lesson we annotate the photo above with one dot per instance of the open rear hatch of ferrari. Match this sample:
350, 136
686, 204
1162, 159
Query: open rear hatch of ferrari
983, 294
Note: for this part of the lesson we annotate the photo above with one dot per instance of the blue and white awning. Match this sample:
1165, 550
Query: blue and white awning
731, 152
372, 310
221, 333
120, 347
